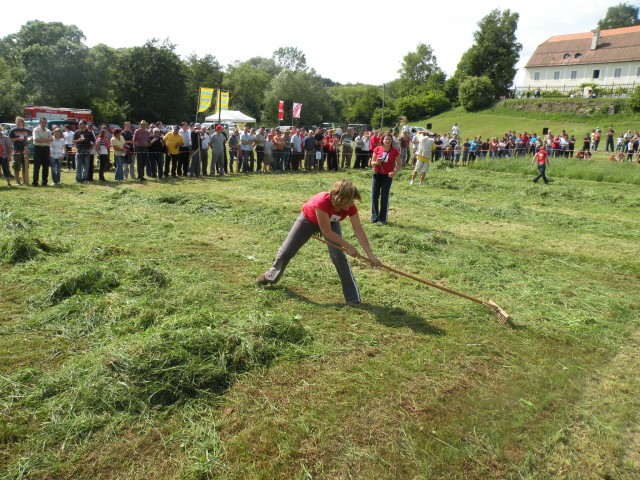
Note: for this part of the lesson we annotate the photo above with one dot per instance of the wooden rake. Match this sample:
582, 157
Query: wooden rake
500, 313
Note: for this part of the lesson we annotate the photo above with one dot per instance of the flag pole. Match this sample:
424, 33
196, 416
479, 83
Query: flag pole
198, 104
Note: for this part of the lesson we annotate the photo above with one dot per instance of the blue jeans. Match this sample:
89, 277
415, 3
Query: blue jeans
82, 165
142, 157
119, 167
277, 160
56, 165
380, 188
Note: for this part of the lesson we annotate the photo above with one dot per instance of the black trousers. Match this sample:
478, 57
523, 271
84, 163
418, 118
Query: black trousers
41, 159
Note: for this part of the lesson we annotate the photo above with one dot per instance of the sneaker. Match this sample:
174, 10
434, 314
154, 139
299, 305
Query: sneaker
421, 184
411, 182
261, 280
354, 303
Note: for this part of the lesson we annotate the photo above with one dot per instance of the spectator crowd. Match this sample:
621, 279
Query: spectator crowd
193, 150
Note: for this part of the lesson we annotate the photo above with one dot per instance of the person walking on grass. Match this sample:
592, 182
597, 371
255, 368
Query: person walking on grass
323, 213
543, 161
426, 147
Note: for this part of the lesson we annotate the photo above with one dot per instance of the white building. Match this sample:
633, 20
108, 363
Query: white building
607, 57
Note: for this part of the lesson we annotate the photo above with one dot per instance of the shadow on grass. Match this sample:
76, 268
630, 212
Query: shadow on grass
392, 317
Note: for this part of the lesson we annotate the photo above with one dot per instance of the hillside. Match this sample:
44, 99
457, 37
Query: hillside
534, 115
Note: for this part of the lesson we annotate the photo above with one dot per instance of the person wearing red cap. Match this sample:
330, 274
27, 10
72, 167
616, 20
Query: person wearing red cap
543, 161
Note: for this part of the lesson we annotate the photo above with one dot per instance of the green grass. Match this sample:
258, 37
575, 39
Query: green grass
496, 121
134, 342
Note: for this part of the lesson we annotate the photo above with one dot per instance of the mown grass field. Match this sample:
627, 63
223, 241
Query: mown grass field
134, 342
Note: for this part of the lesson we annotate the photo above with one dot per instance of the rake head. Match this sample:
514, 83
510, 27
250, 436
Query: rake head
502, 315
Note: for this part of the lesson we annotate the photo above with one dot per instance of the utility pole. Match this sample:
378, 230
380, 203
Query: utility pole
382, 118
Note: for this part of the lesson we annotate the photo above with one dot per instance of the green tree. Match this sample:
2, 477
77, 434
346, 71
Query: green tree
247, 82
418, 67
476, 93
55, 63
619, 16
356, 103
495, 51
202, 72
290, 58
152, 80
299, 87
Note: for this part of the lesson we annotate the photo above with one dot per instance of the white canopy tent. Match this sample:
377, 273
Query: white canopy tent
230, 116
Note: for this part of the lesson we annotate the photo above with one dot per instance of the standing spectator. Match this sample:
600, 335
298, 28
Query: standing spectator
386, 163
5, 153
258, 141
19, 136
267, 161
330, 145
277, 143
119, 151
174, 142
455, 130
41, 152
586, 142
129, 158
596, 139
84, 139
359, 146
103, 148
217, 151
309, 152
234, 151
405, 148
296, 148
204, 157
415, 141
319, 145
141, 138
571, 145
466, 149
58, 150
346, 140
185, 149
68, 142
196, 151
609, 145
156, 154
543, 162
286, 151
246, 150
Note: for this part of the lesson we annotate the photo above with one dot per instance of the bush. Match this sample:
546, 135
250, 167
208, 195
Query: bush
634, 101
422, 105
476, 93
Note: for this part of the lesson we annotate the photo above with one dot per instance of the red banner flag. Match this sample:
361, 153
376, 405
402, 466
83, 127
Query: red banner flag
297, 108
281, 110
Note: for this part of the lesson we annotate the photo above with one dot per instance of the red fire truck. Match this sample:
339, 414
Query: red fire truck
32, 112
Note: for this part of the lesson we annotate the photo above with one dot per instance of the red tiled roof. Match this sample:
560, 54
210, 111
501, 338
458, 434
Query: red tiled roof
617, 45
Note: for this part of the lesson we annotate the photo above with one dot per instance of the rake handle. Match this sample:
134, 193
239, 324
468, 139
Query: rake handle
412, 277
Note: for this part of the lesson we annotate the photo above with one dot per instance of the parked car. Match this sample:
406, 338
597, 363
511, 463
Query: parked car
417, 129
359, 127
7, 127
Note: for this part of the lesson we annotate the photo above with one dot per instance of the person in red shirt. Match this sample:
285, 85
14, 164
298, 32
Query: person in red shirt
386, 163
543, 160
323, 213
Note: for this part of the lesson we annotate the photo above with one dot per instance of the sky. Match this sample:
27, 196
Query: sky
348, 42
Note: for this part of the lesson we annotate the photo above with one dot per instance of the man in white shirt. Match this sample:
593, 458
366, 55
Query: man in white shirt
455, 130
296, 146
41, 152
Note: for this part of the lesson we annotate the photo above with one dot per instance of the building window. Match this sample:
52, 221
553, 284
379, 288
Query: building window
556, 75
617, 73
574, 74
566, 55
577, 55
596, 74
536, 75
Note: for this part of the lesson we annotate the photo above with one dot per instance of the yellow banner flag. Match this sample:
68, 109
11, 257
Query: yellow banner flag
206, 98
223, 101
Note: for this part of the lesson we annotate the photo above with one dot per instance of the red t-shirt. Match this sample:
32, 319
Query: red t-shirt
322, 201
388, 160
374, 142
542, 156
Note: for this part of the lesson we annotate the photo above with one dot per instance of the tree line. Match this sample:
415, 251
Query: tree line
48, 63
